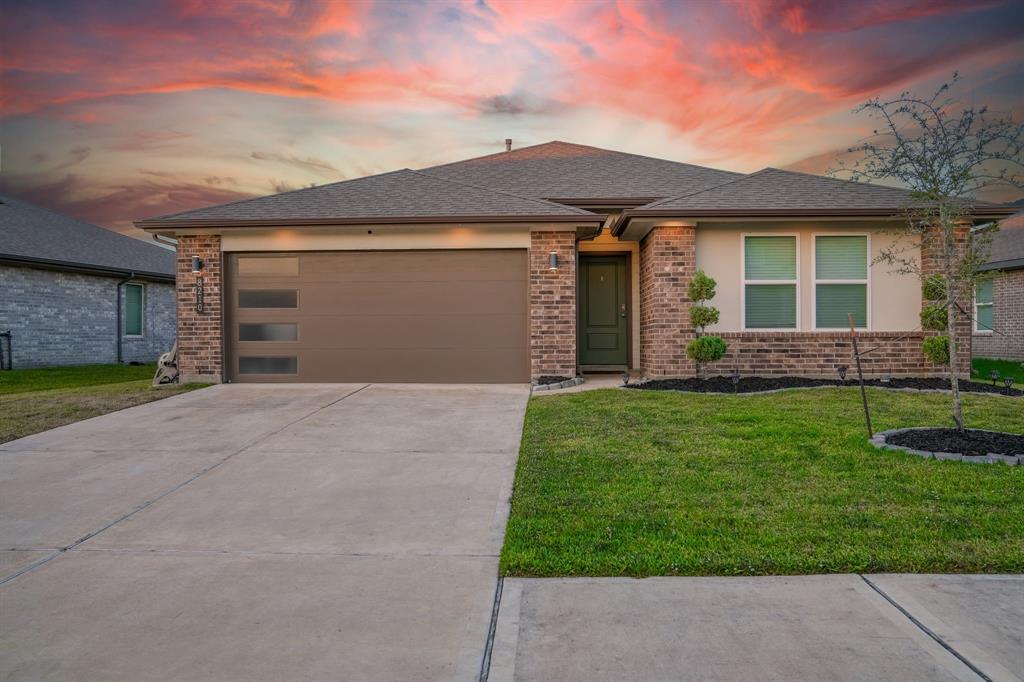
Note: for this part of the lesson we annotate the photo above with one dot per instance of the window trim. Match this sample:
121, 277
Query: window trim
744, 282
991, 304
142, 311
866, 281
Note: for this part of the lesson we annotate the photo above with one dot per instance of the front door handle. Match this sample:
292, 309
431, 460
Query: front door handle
622, 310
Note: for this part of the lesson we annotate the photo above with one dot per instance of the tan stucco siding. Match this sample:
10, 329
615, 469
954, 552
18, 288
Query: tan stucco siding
605, 242
895, 299
380, 238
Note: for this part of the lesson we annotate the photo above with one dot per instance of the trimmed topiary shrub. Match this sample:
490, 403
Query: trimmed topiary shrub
935, 318
704, 349
936, 349
703, 316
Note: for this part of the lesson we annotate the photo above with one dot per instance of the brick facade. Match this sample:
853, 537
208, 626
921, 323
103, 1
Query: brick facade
668, 258
1006, 342
931, 262
553, 304
200, 335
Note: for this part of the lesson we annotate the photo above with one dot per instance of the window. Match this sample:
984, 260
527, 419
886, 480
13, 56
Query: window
272, 331
268, 365
268, 298
770, 277
269, 266
133, 304
840, 281
983, 306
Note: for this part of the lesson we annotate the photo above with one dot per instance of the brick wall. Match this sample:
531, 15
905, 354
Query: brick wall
931, 262
200, 335
553, 304
821, 353
66, 318
1007, 341
667, 262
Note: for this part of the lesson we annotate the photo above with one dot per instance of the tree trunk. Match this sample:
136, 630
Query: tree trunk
952, 318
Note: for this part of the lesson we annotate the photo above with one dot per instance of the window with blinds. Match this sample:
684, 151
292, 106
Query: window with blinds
134, 295
840, 281
983, 307
770, 282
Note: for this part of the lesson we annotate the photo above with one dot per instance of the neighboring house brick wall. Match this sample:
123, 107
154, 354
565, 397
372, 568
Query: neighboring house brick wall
200, 335
66, 318
1007, 340
667, 262
553, 304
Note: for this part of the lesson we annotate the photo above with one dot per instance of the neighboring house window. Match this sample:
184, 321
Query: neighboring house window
840, 281
983, 306
133, 304
770, 279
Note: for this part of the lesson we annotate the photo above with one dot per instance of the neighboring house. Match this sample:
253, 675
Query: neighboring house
543, 261
61, 283
999, 302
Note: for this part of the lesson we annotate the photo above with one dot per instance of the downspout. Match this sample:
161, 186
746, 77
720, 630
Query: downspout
120, 283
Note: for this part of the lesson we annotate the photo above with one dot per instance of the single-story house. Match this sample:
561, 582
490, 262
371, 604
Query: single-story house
546, 260
72, 293
999, 302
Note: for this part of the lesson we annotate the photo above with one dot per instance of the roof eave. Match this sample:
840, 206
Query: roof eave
84, 268
154, 224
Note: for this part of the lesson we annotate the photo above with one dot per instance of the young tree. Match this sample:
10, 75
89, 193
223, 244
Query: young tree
945, 152
703, 349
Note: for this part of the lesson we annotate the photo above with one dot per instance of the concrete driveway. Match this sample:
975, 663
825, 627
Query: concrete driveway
260, 533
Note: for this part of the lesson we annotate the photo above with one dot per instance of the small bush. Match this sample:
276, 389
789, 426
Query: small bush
706, 349
935, 318
936, 349
702, 315
934, 288
701, 287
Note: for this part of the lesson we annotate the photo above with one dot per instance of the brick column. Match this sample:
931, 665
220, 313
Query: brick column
200, 335
553, 304
668, 259
931, 262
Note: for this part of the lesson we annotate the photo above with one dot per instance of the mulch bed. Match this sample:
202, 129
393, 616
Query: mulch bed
970, 442
551, 379
758, 384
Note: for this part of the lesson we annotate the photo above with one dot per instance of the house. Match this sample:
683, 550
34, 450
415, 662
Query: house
999, 302
75, 293
546, 260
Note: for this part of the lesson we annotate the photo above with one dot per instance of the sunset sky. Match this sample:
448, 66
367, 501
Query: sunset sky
116, 111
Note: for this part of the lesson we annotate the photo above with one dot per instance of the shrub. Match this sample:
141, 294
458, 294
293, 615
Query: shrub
934, 288
934, 317
706, 349
936, 349
701, 287
702, 315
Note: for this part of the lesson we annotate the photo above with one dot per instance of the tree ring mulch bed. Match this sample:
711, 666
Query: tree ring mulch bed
551, 379
973, 445
762, 384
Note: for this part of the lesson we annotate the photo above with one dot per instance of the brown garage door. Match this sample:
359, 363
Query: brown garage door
413, 316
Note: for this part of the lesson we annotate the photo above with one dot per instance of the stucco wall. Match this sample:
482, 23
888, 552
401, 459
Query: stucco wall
64, 318
895, 299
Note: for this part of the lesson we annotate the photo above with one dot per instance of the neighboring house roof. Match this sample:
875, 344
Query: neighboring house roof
1007, 248
402, 196
579, 174
33, 235
775, 192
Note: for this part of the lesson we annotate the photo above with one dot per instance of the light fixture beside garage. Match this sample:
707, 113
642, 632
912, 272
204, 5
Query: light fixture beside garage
197, 265
553, 260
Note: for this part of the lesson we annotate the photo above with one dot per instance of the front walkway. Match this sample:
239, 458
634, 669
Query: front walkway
250, 532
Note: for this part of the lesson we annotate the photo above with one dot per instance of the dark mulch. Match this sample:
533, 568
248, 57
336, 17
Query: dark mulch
970, 442
551, 379
756, 384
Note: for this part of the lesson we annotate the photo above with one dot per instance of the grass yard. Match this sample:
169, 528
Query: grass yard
34, 400
637, 483
981, 370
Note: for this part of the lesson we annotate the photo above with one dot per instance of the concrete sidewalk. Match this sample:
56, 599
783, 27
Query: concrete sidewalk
832, 627
248, 532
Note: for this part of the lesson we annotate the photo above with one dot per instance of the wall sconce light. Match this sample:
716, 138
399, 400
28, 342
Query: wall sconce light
553, 260
197, 265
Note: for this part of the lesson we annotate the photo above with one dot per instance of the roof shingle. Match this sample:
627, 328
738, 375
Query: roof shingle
31, 233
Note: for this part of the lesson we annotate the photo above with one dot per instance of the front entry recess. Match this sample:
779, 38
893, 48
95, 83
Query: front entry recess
603, 310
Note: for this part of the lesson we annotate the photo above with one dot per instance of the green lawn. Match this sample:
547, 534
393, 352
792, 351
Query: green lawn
641, 483
34, 400
981, 369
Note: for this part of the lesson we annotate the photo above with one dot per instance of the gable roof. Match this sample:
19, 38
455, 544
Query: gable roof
582, 174
775, 192
1007, 247
30, 234
402, 196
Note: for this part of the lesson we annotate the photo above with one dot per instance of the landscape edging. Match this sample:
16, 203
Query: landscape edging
879, 441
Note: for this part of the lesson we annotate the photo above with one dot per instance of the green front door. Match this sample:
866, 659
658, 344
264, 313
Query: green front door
603, 312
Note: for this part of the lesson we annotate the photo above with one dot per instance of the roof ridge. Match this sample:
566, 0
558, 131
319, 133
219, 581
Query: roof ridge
543, 202
276, 194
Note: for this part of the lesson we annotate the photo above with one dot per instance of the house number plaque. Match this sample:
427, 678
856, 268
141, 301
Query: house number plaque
199, 295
